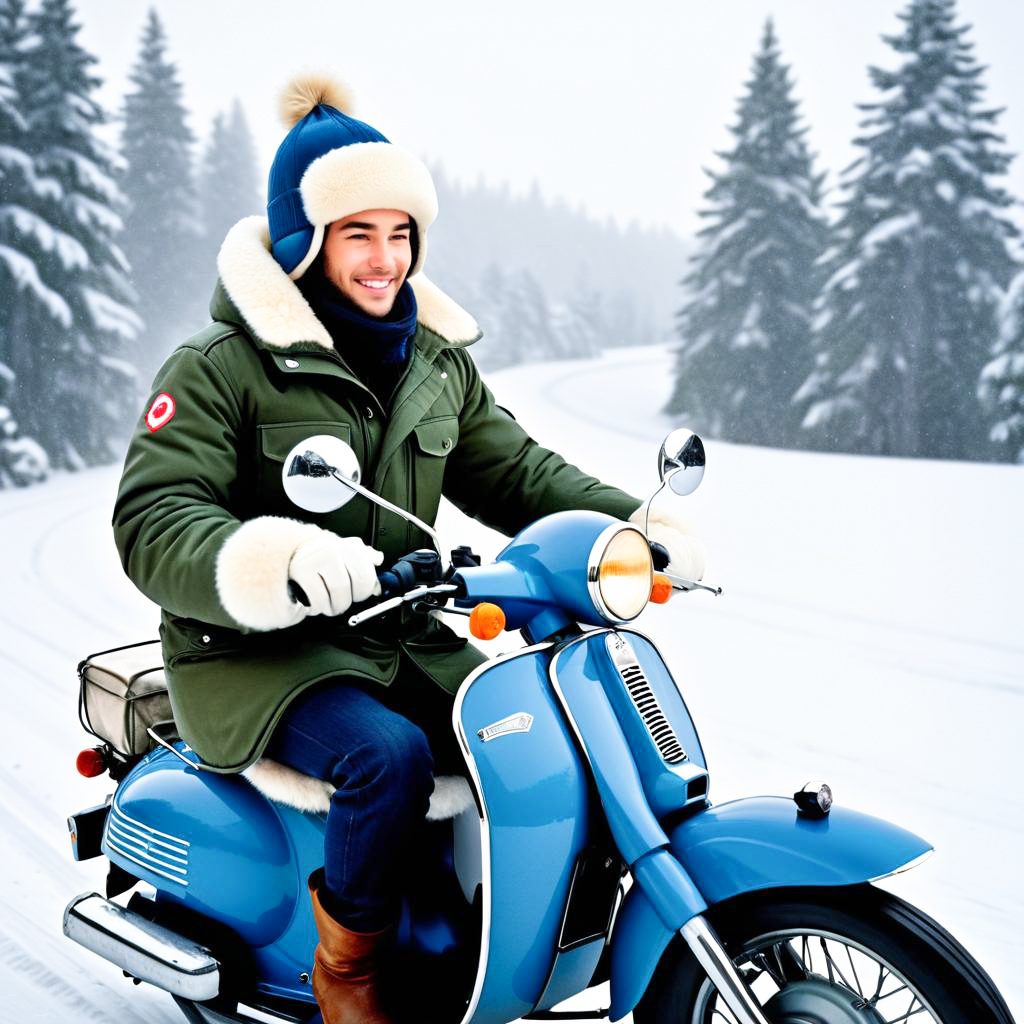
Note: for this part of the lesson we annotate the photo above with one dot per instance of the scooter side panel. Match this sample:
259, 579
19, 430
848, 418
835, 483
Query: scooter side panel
763, 843
212, 844
209, 841
535, 801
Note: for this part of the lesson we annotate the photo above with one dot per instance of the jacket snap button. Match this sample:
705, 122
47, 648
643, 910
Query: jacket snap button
206, 639
369, 413
292, 364
446, 443
444, 375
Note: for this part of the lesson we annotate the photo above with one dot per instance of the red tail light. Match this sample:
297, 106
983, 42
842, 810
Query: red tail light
91, 762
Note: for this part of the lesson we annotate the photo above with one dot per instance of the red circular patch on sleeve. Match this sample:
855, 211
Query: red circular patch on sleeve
160, 412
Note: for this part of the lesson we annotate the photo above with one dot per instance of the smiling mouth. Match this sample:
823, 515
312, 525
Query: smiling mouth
376, 285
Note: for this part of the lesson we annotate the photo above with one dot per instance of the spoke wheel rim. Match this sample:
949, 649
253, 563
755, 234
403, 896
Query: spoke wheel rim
841, 962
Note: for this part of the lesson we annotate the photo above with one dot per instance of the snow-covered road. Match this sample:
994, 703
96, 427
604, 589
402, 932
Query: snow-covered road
870, 634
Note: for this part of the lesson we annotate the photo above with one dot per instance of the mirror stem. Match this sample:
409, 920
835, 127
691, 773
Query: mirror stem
384, 503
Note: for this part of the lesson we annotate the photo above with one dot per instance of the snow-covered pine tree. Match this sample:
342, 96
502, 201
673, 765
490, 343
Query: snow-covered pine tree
532, 324
908, 315
22, 460
745, 327
230, 185
579, 320
21, 192
75, 393
495, 310
163, 236
1002, 380
24, 295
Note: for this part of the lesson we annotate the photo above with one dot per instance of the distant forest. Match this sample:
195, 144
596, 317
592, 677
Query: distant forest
885, 319
107, 255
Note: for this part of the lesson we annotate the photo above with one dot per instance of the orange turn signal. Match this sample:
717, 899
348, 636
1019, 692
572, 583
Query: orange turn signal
486, 621
661, 590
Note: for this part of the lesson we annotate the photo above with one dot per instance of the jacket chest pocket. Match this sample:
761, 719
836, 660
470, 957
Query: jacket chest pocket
275, 441
434, 440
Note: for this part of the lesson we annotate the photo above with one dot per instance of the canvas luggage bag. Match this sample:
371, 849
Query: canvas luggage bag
122, 693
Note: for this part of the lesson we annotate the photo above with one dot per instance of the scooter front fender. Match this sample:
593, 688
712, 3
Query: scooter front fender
745, 846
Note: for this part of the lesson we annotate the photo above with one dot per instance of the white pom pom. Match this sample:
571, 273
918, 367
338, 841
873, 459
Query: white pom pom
304, 92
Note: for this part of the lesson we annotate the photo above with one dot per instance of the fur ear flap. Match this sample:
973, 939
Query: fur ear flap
304, 92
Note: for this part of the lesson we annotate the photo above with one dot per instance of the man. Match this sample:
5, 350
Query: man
322, 324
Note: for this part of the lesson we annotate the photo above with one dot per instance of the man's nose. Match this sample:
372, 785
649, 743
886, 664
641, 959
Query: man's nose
381, 257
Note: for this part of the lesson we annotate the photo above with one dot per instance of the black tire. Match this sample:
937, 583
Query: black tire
860, 923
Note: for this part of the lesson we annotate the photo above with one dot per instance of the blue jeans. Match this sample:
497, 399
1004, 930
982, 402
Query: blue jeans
382, 767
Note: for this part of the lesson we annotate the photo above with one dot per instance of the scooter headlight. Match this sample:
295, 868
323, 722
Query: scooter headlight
620, 573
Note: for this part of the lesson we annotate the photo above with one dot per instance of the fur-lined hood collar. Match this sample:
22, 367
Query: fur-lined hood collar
278, 313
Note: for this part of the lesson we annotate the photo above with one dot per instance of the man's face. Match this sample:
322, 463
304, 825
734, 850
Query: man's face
366, 257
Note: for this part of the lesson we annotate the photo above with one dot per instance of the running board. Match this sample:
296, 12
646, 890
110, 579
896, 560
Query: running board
141, 948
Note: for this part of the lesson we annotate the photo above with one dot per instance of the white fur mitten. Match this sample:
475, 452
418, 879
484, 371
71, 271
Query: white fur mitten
335, 572
685, 551
258, 559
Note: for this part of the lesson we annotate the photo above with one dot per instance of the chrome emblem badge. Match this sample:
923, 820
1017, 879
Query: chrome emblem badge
521, 721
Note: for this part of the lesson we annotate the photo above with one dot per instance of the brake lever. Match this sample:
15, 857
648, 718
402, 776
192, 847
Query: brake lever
678, 583
396, 602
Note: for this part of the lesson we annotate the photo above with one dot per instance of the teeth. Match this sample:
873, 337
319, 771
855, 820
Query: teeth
375, 284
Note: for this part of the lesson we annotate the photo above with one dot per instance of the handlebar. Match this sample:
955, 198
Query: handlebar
409, 572
421, 572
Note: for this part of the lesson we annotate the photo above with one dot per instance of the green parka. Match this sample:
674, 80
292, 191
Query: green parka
245, 390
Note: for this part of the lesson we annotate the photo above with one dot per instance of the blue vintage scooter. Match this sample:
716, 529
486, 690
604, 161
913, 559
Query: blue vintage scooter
584, 768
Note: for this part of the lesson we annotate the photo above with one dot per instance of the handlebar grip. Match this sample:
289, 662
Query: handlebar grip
660, 556
390, 584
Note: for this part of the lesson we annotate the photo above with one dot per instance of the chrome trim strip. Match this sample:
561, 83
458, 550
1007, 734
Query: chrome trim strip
485, 837
594, 560
112, 843
553, 677
198, 765
114, 831
707, 948
910, 865
148, 828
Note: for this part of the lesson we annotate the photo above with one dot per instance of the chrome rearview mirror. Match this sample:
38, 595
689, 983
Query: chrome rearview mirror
681, 461
315, 468
321, 473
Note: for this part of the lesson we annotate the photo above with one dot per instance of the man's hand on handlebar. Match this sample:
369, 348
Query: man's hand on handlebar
327, 574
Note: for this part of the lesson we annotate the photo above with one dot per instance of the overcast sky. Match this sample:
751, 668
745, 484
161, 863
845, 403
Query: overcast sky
615, 105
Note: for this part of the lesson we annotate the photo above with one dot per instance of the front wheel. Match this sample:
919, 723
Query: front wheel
854, 955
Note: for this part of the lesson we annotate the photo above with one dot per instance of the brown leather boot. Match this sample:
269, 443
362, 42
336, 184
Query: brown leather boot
345, 968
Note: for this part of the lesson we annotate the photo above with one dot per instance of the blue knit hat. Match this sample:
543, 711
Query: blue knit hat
330, 166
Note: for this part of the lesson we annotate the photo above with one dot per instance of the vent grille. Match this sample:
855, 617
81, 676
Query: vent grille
163, 854
650, 711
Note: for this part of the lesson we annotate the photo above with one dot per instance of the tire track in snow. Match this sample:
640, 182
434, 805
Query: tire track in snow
51, 590
17, 961
551, 388
55, 990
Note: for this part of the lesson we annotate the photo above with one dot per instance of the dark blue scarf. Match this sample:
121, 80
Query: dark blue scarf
376, 349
